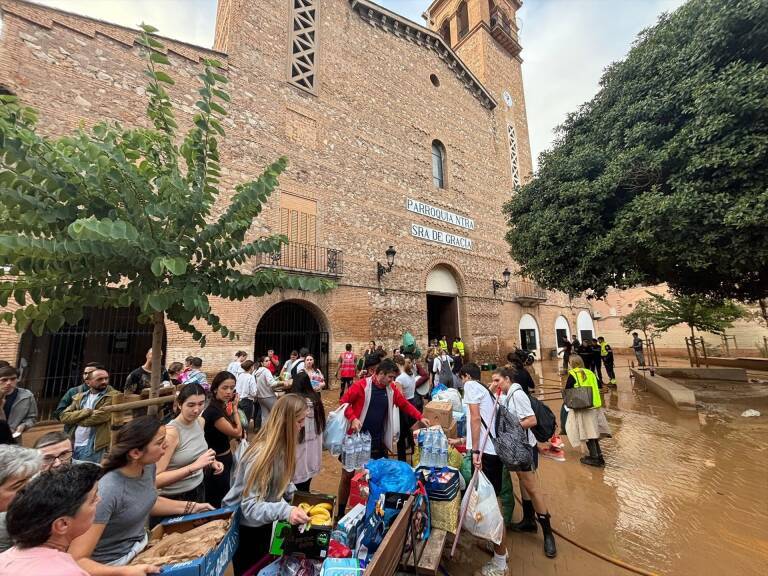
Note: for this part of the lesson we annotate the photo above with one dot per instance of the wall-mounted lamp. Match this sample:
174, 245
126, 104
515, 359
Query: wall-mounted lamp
496, 284
381, 270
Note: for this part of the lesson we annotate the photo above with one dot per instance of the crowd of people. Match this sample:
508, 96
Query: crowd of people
88, 498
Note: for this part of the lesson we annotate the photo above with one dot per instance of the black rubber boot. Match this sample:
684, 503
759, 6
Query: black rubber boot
528, 523
550, 549
595, 457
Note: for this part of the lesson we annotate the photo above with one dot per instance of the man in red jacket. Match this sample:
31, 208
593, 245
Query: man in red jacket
371, 409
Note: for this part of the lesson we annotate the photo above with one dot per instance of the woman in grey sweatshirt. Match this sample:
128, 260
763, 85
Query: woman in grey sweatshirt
262, 481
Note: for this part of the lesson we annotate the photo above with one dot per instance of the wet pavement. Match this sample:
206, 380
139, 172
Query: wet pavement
683, 493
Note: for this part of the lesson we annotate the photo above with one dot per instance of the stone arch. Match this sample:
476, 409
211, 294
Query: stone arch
528, 324
451, 266
444, 290
584, 325
294, 323
562, 324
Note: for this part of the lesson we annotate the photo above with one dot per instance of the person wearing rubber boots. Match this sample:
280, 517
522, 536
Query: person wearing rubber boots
606, 354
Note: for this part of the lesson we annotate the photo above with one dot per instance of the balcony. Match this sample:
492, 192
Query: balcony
505, 32
528, 293
304, 258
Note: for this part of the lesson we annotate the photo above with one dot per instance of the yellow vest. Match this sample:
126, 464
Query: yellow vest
604, 349
444, 345
584, 377
459, 346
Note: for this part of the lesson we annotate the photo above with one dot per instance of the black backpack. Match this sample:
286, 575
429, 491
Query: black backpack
545, 420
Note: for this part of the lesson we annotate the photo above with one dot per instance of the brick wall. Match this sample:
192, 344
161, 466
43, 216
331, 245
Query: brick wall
360, 147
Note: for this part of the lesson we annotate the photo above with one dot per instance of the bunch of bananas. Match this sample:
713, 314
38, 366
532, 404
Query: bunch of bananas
319, 514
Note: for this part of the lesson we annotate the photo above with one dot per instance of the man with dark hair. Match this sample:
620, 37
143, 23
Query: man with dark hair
371, 403
66, 400
235, 367
298, 366
196, 374
18, 404
141, 377
637, 347
89, 424
53, 509
56, 448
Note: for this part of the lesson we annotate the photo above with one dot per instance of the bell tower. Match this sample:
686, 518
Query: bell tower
484, 34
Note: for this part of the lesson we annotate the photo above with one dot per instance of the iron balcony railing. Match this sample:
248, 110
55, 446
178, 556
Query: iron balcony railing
306, 258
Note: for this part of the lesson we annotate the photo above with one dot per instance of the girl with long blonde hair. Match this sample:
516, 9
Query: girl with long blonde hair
262, 482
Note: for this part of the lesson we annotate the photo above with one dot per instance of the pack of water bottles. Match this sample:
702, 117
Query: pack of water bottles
355, 451
433, 448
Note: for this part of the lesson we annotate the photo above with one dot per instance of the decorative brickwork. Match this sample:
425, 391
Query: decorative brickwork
513, 160
358, 148
303, 44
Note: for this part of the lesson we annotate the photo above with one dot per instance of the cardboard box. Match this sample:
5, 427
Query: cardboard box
452, 432
216, 561
439, 413
313, 541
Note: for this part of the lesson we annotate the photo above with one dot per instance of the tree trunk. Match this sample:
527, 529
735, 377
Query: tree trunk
764, 309
158, 328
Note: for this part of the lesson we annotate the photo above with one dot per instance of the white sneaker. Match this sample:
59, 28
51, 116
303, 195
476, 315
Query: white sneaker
490, 569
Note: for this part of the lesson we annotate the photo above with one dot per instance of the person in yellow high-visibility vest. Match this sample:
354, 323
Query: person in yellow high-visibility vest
459, 345
606, 354
586, 425
443, 343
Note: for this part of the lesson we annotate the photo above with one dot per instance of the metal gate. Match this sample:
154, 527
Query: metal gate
290, 326
53, 362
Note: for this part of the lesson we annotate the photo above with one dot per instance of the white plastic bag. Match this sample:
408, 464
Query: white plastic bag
450, 395
336, 427
483, 517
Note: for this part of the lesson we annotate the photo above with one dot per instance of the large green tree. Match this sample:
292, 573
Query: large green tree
661, 177
698, 312
124, 216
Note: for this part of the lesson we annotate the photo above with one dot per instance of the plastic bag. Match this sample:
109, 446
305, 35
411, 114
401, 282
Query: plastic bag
409, 343
449, 395
388, 476
482, 515
336, 427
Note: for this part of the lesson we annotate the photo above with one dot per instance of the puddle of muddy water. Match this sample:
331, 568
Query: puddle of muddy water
683, 493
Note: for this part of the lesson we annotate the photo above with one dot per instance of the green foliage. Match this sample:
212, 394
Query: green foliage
119, 216
642, 319
661, 177
698, 312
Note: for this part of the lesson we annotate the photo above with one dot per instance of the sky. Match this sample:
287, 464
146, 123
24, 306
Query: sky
566, 43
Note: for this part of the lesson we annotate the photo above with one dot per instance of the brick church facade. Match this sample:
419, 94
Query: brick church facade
397, 134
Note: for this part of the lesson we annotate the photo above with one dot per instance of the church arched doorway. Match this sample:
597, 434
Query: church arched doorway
293, 325
442, 304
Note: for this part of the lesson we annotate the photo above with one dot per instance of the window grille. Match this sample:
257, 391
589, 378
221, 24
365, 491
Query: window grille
513, 155
304, 44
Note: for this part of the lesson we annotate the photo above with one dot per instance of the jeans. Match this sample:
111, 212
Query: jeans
86, 453
640, 357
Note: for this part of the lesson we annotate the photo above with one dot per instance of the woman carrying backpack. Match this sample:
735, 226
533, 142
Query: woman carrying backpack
517, 403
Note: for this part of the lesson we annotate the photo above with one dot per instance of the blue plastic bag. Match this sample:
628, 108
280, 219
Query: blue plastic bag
387, 475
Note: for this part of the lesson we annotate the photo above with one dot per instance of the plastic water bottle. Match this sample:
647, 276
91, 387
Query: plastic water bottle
443, 450
359, 462
367, 447
426, 459
348, 453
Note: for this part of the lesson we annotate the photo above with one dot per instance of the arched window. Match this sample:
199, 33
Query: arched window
445, 31
438, 164
463, 19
